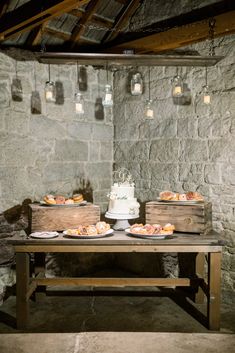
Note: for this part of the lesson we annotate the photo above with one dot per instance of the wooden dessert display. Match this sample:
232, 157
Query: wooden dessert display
186, 217
54, 218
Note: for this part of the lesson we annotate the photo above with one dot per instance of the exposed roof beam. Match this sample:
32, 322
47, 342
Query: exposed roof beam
122, 19
53, 32
3, 7
79, 29
178, 31
34, 13
101, 20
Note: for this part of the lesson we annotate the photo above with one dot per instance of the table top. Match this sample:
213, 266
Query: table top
122, 238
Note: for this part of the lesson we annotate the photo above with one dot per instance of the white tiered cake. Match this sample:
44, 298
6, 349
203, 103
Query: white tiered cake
122, 200
122, 203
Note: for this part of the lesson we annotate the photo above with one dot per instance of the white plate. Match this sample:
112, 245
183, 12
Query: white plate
82, 203
149, 236
44, 235
180, 201
103, 235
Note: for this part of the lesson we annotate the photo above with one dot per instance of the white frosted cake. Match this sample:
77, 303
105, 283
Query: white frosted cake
122, 200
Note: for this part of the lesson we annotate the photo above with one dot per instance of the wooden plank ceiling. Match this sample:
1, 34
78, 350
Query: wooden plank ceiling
102, 26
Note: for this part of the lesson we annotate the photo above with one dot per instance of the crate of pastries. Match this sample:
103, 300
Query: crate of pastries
57, 213
189, 212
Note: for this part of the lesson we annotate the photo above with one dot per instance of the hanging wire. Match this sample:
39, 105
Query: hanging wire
107, 73
206, 75
149, 83
211, 35
49, 72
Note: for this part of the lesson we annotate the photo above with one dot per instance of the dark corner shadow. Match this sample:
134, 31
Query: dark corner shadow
59, 93
84, 188
99, 109
17, 216
7, 319
182, 300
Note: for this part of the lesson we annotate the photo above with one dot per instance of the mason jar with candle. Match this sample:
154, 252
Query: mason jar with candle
136, 84
50, 92
206, 95
177, 86
79, 103
149, 114
107, 100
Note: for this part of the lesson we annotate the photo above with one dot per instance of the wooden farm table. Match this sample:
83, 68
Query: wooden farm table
208, 245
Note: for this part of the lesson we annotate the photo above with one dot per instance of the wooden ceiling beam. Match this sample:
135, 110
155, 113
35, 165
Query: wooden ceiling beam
32, 14
122, 19
79, 29
179, 31
58, 34
3, 7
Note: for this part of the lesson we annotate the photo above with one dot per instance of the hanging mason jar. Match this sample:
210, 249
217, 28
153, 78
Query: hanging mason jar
206, 95
16, 90
50, 92
149, 114
79, 103
136, 84
177, 86
108, 96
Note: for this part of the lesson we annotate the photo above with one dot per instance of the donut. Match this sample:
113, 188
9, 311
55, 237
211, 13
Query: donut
77, 198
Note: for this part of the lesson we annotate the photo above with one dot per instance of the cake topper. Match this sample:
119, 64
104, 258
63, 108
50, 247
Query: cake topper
123, 176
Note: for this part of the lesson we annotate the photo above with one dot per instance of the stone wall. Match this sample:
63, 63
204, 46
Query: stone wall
185, 147
52, 152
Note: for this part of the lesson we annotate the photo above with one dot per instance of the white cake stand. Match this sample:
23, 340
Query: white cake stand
121, 220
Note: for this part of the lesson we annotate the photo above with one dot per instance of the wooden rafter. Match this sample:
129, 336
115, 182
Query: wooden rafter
122, 19
34, 13
3, 7
78, 31
58, 34
97, 19
178, 31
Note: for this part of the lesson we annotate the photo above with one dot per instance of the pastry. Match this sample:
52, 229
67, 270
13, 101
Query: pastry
60, 200
77, 198
91, 230
102, 227
169, 227
49, 199
169, 196
69, 202
182, 197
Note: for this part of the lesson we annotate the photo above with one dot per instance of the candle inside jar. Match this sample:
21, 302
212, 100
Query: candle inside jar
79, 108
137, 88
207, 99
108, 97
177, 91
149, 113
49, 95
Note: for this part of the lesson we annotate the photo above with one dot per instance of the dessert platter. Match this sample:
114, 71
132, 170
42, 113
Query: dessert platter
122, 202
189, 197
151, 231
61, 201
99, 230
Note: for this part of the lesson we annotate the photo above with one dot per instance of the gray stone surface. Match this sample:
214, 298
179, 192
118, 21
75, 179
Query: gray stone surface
52, 152
185, 147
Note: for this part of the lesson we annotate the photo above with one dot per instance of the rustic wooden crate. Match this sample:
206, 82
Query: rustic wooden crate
190, 218
42, 218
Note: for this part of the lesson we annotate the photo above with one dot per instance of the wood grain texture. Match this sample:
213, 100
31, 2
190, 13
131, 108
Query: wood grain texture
194, 218
45, 218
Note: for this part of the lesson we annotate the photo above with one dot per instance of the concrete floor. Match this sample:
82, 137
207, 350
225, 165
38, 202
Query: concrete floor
113, 324
77, 312
117, 342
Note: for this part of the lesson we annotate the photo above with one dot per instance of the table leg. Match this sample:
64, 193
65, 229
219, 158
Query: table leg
200, 271
213, 301
39, 267
22, 285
